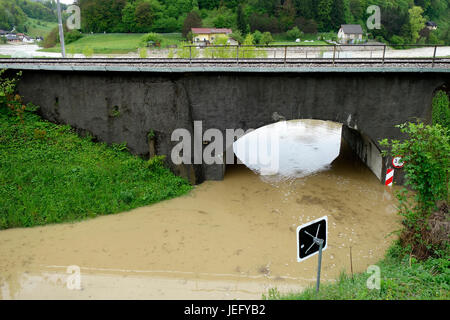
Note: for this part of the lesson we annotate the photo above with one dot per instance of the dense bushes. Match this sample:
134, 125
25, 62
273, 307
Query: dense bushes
72, 36
151, 38
52, 38
294, 33
426, 156
49, 174
441, 109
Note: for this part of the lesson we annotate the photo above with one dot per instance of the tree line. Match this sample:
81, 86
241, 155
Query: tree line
402, 20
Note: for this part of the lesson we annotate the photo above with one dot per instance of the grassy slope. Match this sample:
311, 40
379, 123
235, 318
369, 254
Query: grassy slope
42, 29
401, 279
112, 43
49, 174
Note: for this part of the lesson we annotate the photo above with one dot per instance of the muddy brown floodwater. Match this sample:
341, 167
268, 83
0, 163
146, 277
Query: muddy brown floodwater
231, 239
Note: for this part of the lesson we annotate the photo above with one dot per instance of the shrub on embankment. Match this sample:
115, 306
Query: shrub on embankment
49, 174
426, 156
441, 109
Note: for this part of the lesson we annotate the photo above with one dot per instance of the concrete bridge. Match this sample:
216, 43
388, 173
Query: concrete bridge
125, 104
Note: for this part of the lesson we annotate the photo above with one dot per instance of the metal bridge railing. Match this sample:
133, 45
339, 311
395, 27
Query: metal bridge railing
332, 52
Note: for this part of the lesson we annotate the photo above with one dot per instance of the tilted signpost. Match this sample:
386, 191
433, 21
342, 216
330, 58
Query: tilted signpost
311, 240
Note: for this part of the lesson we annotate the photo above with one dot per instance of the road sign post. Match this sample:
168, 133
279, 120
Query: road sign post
319, 265
311, 240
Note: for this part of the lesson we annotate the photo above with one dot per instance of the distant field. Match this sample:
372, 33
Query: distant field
113, 43
4, 56
122, 43
39, 28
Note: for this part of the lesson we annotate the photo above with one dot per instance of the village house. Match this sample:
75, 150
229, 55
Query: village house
350, 33
431, 25
11, 37
27, 39
207, 36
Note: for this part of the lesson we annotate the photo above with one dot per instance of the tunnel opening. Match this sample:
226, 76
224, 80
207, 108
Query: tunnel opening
305, 147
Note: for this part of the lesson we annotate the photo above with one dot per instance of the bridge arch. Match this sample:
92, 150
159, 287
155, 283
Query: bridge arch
125, 106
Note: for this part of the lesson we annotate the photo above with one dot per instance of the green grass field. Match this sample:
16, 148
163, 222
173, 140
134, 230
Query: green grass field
402, 278
113, 43
48, 174
4, 56
39, 28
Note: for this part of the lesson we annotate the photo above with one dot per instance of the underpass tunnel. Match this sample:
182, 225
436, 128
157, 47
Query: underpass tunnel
311, 146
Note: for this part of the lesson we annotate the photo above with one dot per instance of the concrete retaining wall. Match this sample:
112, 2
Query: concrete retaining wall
119, 107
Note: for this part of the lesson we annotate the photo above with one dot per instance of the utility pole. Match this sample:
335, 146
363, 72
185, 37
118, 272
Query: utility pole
61, 31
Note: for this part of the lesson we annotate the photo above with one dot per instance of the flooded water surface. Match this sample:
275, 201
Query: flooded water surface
226, 239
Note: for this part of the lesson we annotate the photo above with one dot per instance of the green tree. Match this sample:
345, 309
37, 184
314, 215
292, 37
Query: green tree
337, 14
294, 33
425, 152
306, 8
356, 9
416, 22
145, 14
237, 35
324, 10
266, 38
241, 21
128, 18
192, 20
287, 14
257, 35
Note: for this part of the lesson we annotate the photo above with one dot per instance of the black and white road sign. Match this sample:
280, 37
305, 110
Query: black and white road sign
309, 237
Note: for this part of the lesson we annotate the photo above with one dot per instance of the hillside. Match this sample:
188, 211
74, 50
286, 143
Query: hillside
31, 17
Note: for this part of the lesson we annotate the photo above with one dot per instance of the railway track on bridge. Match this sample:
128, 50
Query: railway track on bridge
445, 62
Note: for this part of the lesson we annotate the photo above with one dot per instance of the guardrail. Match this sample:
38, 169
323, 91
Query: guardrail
335, 52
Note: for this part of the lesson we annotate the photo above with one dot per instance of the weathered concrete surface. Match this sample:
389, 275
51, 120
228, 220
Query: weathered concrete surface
120, 107
367, 151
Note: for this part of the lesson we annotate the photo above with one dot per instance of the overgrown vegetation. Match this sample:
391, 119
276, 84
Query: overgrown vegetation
49, 174
441, 109
426, 154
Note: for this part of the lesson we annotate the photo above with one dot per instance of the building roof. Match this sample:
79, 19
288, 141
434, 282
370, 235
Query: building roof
352, 29
211, 30
431, 24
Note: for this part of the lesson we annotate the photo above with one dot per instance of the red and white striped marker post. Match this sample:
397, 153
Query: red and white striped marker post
389, 177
